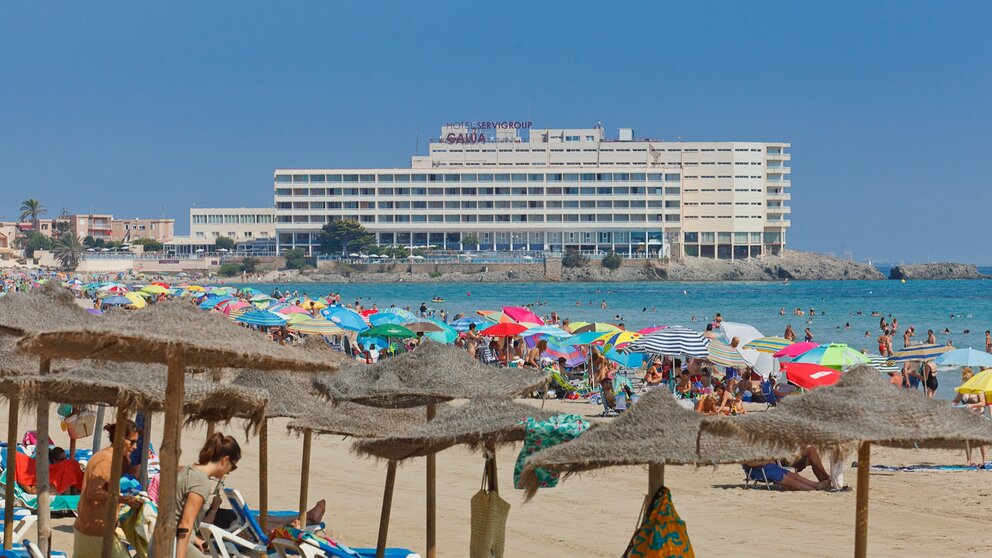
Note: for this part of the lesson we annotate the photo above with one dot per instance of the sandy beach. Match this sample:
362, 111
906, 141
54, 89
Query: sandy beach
911, 513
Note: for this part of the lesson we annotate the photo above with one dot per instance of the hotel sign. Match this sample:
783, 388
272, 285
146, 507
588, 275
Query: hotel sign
484, 131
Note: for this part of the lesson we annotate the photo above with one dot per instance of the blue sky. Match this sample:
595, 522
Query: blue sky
135, 106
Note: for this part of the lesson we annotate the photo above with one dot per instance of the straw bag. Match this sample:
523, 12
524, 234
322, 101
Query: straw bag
489, 513
80, 425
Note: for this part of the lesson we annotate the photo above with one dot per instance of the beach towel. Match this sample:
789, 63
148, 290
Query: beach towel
545, 434
950, 468
300, 536
138, 526
662, 533
63, 475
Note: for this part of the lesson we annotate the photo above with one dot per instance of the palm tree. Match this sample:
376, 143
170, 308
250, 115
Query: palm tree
68, 250
32, 208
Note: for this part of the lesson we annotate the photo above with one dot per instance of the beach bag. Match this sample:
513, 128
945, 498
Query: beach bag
662, 533
80, 425
489, 513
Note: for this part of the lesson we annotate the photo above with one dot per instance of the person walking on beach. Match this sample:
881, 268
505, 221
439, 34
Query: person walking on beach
789, 334
472, 339
809, 336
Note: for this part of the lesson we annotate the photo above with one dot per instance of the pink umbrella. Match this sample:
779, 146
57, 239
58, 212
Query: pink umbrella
796, 349
292, 310
232, 306
651, 329
521, 314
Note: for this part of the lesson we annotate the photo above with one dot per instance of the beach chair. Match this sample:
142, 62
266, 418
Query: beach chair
23, 520
60, 503
768, 392
247, 518
755, 475
31, 550
293, 542
224, 544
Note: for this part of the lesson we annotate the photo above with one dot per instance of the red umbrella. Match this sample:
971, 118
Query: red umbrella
810, 376
503, 330
521, 314
160, 284
796, 349
369, 312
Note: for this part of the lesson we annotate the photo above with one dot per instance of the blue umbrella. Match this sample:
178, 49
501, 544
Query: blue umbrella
117, 301
461, 324
585, 338
345, 318
627, 360
549, 330
379, 319
212, 301
965, 357
405, 314
261, 318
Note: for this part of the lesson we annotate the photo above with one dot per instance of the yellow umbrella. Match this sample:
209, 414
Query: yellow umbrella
155, 289
979, 383
315, 326
136, 300
196, 288
316, 304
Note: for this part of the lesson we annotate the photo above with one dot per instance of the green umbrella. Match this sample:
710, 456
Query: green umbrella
835, 355
388, 330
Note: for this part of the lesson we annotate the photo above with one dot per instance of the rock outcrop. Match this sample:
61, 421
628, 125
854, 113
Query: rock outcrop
798, 266
941, 270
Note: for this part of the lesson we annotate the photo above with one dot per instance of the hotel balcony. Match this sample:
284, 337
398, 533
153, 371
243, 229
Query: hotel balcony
777, 194
778, 156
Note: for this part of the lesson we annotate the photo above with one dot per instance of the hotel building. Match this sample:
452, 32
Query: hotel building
252, 229
556, 189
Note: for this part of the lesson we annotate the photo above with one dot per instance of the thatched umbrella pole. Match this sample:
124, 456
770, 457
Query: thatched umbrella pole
263, 473
146, 440
305, 475
98, 427
11, 468
861, 516
41, 466
165, 528
491, 464
387, 506
656, 477
114, 485
431, 493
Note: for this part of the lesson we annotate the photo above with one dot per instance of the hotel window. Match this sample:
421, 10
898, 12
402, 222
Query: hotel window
435, 177
571, 204
284, 178
284, 191
435, 205
502, 178
517, 191
316, 178
672, 177
604, 203
452, 177
351, 178
535, 191
332, 178
299, 178
385, 178
604, 177
401, 178
519, 177
469, 191
418, 177
485, 178
555, 177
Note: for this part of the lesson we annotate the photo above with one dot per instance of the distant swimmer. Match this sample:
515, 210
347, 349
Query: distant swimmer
685, 293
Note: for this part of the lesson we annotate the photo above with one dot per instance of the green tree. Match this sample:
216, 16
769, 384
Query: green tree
89, 241
224, 242
150, 244
230, 269
574, 258
296, 258
470, 241
34, 241
250, 264
68, 250
344, 236
612, 261
32, 208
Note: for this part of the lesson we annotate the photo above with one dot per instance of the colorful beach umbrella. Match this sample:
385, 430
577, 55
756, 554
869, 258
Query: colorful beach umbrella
722, 354
383, 318
117, 301
422, 327
231, 305
768, 344
651, 329
462, 324
795, 349
587, 338
155, 289
617, 340
810, 376
136, 300
979, 383
401, 312
572, 355
345, 317
965, 357
881, 363
672, 341
446, 335
388, 331
521, 314
920, 353
547, 330
835, 355
594, 326
506, 329
316, 326
261, 318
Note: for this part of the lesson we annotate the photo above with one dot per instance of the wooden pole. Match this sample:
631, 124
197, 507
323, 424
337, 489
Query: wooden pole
387, 506
263, 474
41, 467
146, 440
11, 468
98, 427
165, 528
431, 494
305, 476
491, 463
861, 517
656, 478
114, 486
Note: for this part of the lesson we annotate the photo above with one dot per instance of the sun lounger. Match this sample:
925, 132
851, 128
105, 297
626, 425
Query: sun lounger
247, 522
23, 520
293, 542
755, 475
60, 503
31, 550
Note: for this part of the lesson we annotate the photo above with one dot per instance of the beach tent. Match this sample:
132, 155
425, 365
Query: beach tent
425, 377
482, 422
176, 334
861, 409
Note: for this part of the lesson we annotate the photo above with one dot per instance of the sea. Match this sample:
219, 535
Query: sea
963, 307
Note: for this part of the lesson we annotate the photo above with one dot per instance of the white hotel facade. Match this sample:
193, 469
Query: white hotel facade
555, 190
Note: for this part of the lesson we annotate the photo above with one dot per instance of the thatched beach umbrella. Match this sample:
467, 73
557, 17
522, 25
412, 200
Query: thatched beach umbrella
177, 334
859, 410
429, 375
485, 422
356, 421
22, 314
656, 431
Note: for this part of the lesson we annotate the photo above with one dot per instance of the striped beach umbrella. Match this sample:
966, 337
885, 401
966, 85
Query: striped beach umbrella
316, 326
835, 355
462, 324
673, 341
261, 318
548, 330
768, 344
722, 354
920, 353
572, 355
881, 363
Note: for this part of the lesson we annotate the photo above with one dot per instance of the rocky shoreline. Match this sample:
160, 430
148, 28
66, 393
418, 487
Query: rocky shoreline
792, 266
940, 271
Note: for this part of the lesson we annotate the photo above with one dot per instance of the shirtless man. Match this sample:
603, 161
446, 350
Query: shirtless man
472, 337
